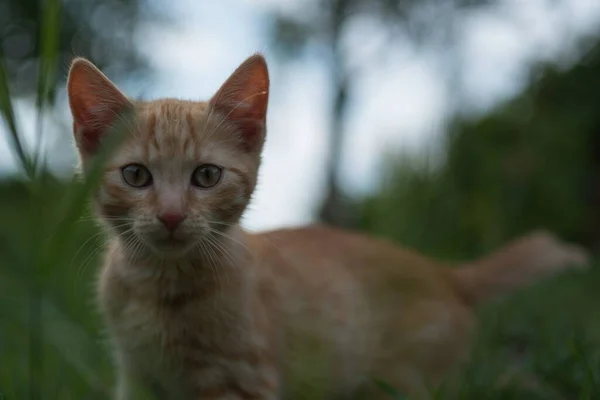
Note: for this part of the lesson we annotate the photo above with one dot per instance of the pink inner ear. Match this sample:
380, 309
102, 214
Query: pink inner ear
90, 126
253, 131
95, 103
89, 139
243, 100
251, 127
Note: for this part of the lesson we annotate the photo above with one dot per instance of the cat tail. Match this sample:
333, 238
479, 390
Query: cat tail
518, 264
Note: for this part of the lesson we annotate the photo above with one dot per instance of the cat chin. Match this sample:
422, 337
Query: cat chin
171, 248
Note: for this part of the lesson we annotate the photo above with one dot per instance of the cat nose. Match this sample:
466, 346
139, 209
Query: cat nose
171, 220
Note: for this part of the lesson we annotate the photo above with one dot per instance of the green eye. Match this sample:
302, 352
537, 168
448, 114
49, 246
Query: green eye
206, 176
136, 175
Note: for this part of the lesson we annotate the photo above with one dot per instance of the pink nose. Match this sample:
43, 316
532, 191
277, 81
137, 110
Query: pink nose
171, 220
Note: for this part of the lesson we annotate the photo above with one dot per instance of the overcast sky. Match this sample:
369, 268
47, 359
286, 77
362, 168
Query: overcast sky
399, 107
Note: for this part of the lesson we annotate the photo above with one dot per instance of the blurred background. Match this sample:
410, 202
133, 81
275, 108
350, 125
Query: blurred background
450, 126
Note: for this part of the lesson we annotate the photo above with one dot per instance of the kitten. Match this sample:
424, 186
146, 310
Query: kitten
197, 308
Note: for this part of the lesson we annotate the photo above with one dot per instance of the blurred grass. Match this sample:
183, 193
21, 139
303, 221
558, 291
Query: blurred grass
540, 344
66, 352
49, 342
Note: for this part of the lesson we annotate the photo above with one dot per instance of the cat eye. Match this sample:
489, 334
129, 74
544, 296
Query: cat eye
206, 176
136, 175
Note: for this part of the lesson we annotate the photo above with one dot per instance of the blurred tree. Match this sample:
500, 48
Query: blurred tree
533, 162
102, 30
325, 24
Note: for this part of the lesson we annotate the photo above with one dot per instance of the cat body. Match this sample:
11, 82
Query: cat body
355, 308
197, 308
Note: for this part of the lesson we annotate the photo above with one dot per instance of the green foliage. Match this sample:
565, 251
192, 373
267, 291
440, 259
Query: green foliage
542, 343
49, 343
530, 164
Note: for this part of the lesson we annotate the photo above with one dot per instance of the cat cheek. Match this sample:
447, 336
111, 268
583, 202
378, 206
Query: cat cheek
115, 200
232, 205
114, 210
108, 206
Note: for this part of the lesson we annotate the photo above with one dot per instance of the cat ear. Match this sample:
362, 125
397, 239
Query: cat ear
95, 104
243, 100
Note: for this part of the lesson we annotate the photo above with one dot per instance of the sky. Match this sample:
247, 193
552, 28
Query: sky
399, 105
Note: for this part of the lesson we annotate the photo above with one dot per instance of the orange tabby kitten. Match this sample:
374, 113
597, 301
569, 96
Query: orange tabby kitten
197, 308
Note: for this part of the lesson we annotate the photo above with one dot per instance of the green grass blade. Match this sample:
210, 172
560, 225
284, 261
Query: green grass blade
7, 111
49, 41
49, 51
74, 348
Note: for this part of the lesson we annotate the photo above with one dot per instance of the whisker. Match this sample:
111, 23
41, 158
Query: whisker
134, 248
83, 245
219, 268
88, 260
86, 263
222, 249
211, 242
261, 237
212, 265
227, 236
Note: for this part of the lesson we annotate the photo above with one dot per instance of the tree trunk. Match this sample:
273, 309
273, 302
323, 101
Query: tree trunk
335, 207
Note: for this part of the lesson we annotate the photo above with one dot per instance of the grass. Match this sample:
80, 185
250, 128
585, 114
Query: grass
542, 343
49, 343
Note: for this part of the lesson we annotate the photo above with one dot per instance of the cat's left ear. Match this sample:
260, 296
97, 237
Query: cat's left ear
95, 104
243, 99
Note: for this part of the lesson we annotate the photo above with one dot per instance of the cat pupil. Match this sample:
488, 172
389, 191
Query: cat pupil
208, 175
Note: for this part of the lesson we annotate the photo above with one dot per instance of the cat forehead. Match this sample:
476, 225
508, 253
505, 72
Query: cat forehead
171, 108
171, 130
170, 118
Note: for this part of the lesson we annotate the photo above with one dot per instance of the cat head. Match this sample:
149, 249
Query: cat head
184, 169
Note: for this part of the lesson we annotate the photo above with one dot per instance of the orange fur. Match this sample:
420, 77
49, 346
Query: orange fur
209, 311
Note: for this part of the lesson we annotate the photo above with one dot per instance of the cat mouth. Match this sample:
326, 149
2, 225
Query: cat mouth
171, 242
